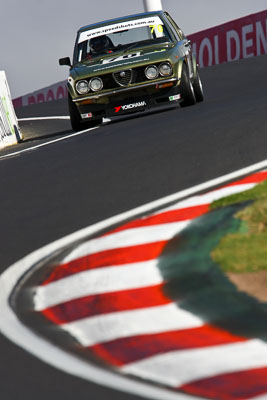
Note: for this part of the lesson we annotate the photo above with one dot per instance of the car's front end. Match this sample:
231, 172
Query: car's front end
143, 80
139, 66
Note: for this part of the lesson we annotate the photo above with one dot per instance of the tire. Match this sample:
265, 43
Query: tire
75, 118
198, 89
187, 90
76, 123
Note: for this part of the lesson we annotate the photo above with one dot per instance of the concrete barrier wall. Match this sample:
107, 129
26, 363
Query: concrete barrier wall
9, 129
232, 41
54, 92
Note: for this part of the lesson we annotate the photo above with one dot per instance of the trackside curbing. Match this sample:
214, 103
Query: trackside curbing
9, 129
12, 327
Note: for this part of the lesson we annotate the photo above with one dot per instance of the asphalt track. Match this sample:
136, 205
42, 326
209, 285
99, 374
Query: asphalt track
54, 190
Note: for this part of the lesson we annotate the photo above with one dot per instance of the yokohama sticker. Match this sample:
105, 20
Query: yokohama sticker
130, 106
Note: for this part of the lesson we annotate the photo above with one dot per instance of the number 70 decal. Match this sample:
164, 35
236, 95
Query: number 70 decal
156, 27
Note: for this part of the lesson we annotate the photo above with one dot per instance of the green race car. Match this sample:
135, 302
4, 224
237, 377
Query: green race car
130, 64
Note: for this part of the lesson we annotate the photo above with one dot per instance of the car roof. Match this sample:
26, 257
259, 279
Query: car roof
120, 19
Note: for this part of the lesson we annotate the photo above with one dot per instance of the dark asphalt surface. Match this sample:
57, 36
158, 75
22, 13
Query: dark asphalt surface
58, 189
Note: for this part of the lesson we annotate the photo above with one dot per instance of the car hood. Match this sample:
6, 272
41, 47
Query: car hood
122, 60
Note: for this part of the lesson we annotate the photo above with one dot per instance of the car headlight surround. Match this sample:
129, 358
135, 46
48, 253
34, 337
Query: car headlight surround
165, 69
82, 87
96, 84
151, 72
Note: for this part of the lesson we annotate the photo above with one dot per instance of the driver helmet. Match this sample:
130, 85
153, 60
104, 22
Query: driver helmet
99, 44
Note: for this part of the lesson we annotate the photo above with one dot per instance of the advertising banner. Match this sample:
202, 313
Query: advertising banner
242, 38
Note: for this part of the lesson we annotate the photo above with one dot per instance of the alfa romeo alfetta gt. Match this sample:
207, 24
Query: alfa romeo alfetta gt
130, 64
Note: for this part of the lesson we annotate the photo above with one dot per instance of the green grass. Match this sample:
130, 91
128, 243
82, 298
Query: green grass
246, 250
258, 192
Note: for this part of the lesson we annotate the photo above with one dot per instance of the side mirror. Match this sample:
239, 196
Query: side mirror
65, 61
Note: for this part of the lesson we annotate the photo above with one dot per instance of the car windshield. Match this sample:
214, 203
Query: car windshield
122, 36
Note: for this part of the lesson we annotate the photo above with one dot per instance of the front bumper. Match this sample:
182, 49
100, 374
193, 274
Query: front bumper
128, 100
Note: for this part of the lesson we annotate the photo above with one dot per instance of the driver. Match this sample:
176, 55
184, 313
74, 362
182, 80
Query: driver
100, 44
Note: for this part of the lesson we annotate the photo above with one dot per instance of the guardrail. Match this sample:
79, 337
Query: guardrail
242, 38
9, 128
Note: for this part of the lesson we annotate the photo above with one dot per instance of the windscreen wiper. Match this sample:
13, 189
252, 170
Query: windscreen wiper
131, 46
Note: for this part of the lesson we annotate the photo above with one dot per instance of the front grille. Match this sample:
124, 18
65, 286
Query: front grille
123, 78
129, 76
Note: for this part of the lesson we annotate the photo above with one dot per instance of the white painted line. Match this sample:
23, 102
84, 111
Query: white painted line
103, 328
66, 117
46, 143
105, 121
192, 365
14, 330
98, 281
129, 237
43, 118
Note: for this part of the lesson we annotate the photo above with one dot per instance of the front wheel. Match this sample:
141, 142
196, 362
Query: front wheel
198, 89
75, 119
187, 90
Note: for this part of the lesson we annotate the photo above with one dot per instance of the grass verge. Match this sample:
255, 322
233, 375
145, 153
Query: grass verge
245, 250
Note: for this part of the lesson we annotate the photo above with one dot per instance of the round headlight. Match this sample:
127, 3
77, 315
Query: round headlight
165, 69
96, 84
152, 72
82, 87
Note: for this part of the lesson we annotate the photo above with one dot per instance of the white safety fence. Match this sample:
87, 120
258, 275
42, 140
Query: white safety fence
9, 129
